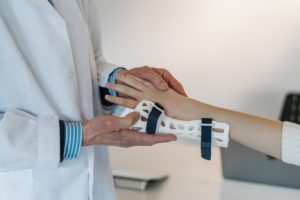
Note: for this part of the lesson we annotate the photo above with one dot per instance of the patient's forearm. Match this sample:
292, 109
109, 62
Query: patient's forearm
263, 135
260, 134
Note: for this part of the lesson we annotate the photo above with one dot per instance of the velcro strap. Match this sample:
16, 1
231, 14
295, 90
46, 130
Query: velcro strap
206, 127
152, 120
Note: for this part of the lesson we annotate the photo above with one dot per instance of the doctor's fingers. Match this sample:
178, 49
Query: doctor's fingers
130, 138
110, 123
126, 102
148, 74
99, 128
171, 80
126, 122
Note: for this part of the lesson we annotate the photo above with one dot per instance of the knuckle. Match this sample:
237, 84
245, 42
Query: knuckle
166, 73
111, 124
146, 68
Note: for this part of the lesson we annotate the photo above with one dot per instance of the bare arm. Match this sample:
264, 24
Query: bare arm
260, 134
255, 132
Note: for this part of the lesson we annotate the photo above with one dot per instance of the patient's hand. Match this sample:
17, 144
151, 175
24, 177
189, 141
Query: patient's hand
175, 105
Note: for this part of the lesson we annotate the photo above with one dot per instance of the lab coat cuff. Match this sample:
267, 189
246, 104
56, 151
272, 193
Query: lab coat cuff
112, 79
105, 75
48, 142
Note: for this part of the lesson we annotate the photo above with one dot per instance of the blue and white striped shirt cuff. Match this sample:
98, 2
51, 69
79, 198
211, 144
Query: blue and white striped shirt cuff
112, 79
73, 140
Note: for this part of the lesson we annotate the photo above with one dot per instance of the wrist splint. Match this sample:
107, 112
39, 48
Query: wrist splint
208, 132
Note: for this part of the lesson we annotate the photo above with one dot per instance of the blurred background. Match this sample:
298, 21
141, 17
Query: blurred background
239, 54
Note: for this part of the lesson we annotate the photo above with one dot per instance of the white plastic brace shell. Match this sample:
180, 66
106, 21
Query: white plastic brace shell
188, 129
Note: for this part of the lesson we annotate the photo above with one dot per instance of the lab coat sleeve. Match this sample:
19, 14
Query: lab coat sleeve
92, 14
28, 141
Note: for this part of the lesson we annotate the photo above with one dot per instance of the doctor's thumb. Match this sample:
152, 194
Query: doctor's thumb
129, 120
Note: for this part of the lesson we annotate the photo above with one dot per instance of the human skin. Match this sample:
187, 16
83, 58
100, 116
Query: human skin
261, 134
161, 78
115, 131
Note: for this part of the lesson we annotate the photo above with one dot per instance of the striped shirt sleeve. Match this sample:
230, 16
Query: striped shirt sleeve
72, 140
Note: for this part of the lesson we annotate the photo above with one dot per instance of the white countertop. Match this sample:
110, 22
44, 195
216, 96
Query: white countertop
190, 177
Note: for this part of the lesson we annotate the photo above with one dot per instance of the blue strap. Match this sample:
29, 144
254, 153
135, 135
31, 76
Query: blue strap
206, 127
152, 121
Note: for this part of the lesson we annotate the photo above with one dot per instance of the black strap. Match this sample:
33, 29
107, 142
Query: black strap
152, 120
104, 91
206, 127
62, 139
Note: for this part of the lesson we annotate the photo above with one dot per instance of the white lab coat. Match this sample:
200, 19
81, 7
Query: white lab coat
49, 59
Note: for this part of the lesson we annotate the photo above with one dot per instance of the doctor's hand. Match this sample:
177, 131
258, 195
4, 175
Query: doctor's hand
112, 130
161, 78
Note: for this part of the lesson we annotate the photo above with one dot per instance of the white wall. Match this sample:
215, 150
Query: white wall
241, 54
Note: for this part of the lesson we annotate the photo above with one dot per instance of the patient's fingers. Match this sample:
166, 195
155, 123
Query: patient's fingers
135, 82
146, 83
132, 82
124, 89
130, 103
